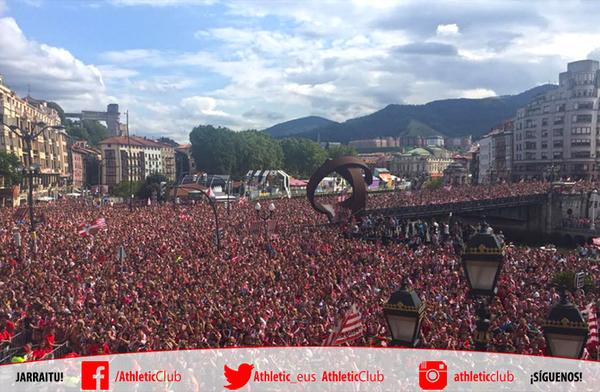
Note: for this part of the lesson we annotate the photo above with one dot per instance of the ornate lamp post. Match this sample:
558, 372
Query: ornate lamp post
211, 200
265, 216
565, 330
593, 207
404, 312
28, 134
482, 262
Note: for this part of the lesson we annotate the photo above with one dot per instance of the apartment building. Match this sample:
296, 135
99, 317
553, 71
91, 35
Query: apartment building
496, 155
49, 150
134, 158
558, 132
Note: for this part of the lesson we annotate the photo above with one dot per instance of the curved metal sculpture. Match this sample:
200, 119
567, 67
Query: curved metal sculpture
351, 169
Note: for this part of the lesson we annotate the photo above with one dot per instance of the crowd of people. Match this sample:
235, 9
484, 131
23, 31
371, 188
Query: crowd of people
286, 281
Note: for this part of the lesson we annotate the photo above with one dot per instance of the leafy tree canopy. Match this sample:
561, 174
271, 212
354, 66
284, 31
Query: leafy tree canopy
9, 169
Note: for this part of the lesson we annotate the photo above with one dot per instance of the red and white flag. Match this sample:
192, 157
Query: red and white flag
210, 193
592, 317
348, 330
87, 229
596, 241
242, 201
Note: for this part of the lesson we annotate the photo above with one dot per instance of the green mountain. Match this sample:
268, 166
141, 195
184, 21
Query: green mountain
299, 125
448, 117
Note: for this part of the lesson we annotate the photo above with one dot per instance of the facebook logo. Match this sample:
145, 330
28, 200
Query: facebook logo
94, 375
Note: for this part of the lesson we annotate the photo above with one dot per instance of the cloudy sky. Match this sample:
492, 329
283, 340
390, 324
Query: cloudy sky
249, 64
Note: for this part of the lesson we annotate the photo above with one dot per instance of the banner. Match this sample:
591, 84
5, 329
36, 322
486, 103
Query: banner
304, 369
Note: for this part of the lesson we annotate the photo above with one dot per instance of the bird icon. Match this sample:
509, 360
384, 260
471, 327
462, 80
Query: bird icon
238, 378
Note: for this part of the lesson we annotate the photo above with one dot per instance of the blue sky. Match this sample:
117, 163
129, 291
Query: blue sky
246, 64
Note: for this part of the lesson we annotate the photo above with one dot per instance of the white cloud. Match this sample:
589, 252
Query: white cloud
201, 106
447, 29
477, 93
52, 73
161, 3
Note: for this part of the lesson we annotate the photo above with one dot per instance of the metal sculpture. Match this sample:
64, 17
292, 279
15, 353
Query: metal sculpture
351, 169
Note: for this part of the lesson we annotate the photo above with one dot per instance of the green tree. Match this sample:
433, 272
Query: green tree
122, 189
168, 140
433, 183
9, 169
214, 149
256, 151
341, 150
152, 185
301, 156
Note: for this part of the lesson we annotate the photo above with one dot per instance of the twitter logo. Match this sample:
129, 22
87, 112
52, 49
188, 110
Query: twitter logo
238, 378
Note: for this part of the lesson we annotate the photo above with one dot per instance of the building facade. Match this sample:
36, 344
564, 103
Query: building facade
558, 131
49, 150
496, 155
86, 165
421, 162
132, 159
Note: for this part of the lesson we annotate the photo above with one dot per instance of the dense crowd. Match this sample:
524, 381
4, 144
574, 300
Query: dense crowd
281, 282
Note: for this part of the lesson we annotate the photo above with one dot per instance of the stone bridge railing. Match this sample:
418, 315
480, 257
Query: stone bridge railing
459, 207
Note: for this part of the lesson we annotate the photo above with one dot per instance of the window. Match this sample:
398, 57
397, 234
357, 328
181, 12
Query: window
557, 155
557, 132
560, 107
544, 133
582, 118
580, 154
557, 144
530, 135
546, 109
580, 142
530, 155
544, 155
544, 145
584, 106
544, 122
581, 130
559, 120
530, 145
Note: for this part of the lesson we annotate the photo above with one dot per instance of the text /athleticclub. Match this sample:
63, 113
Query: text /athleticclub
148, 376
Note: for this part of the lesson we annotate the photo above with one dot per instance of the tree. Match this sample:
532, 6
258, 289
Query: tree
341, 150
168, 141
91, 131
122, 189
9, 169
223, 151
213, 149
301, 156
152, 185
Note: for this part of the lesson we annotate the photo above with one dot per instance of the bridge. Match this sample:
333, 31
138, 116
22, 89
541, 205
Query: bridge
540, 217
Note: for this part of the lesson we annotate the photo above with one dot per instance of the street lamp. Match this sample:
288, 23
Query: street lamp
482, 262
29, 134
212, 201
404, 312
593, 206
268, 215
565, 330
